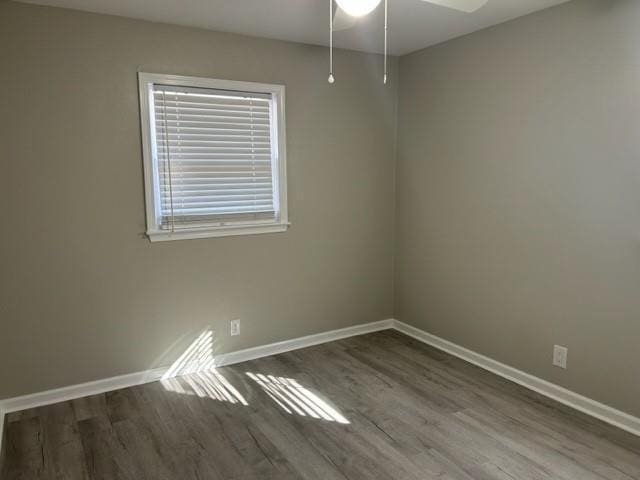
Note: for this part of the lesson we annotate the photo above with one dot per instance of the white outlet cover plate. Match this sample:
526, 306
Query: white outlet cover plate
235, 327
560, 355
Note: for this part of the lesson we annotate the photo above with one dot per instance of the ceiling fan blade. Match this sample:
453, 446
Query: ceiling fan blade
467, 6
342, 20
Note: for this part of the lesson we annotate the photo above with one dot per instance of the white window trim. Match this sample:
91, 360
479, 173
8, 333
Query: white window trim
278, 135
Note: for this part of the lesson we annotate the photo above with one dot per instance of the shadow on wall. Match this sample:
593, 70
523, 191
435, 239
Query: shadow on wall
194, 373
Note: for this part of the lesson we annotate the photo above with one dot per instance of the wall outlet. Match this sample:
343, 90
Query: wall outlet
560, 355
235, 327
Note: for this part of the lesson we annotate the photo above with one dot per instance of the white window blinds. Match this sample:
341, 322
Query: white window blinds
214, 155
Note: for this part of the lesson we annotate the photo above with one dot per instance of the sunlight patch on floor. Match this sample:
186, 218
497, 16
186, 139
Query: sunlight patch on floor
207, 384
294, 398
194, 373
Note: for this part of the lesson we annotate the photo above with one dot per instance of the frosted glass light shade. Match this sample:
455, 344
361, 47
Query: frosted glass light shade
358, 8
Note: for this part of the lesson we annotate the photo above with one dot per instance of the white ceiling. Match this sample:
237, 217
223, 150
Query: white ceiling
413, 24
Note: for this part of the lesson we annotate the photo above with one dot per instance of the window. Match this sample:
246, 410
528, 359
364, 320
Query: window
214, 157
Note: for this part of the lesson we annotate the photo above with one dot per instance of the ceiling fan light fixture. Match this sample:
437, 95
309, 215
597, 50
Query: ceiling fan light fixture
358, 8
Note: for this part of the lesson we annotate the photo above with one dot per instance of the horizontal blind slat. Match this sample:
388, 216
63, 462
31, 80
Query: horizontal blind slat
210, 99
220, 194
221, 158
207, 122
218, 112
211, 127
181, 203
249, 187
200, 178
203, 130
201, 143
172, 112
213, 104
168, 91
213, 150
222, 190
219, 209
222, 137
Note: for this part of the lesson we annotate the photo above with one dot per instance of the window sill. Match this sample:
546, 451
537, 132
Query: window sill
228, 231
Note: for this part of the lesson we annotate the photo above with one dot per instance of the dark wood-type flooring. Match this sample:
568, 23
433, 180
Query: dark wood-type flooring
378, 406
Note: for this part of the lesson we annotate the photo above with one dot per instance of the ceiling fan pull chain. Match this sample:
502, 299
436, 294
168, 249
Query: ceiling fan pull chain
331, 79
386, 28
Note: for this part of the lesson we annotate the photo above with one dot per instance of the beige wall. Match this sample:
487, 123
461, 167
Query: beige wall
83, 295
518, 195
518, 198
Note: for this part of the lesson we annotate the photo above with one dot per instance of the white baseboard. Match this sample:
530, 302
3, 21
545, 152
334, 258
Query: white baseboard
579, 402
301, 342
2, 414
567, 397
71, 392
123, 381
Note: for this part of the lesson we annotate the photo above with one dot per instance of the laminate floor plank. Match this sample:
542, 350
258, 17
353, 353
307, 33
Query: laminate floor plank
381, 406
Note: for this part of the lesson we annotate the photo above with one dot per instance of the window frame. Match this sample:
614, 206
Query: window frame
154, 232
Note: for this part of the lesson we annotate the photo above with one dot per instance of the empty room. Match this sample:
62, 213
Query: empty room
320, 239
